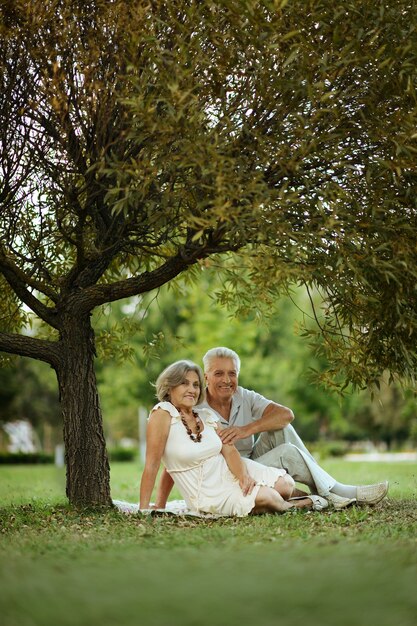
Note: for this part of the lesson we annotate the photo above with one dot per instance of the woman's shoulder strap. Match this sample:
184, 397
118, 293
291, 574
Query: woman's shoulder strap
169, 408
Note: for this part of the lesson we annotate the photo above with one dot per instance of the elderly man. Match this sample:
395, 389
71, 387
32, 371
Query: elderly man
245, 414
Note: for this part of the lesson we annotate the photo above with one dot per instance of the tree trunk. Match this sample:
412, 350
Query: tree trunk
88, 471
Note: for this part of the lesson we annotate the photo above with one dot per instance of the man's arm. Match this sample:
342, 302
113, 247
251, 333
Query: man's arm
274, 417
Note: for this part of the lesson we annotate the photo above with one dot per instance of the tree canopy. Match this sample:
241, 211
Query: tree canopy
140, 138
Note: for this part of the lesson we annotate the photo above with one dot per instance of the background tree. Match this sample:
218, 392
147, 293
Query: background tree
275, 360
136, 339
28, 392
139, 139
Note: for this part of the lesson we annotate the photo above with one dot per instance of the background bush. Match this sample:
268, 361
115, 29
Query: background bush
25, 458
123, 454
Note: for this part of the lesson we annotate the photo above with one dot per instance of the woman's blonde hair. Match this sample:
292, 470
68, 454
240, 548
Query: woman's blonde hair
174, 375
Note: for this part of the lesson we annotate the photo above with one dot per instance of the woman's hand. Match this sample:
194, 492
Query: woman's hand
236, 465
247, 483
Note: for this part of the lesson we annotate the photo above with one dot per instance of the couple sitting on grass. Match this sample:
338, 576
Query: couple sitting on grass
204, 435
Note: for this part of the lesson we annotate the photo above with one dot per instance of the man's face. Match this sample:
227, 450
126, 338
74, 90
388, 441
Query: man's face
221, 378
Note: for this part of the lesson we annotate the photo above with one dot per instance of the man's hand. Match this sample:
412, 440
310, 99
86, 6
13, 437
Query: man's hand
232, 434
247, 483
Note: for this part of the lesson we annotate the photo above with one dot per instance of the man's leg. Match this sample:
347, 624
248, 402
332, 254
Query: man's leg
273, 448
271, 439
302, 468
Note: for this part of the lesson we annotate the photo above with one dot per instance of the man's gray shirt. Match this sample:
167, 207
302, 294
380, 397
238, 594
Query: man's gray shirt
247, 406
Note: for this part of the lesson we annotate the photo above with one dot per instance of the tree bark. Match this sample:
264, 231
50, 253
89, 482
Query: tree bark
88, 471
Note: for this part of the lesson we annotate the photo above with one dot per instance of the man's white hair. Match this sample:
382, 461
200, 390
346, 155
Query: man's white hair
220, 353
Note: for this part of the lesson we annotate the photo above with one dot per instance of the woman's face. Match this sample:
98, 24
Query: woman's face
185, 395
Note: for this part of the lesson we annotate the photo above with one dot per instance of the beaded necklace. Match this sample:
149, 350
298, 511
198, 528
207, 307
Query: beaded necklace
197, 437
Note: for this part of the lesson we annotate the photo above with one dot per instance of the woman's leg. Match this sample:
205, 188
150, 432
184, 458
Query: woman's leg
268, 500
285, 486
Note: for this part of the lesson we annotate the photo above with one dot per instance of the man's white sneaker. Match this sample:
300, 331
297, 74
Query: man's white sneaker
372, 494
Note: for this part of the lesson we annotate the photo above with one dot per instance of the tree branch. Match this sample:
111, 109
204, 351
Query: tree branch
87, 299
7, 264
39, 349
18, 281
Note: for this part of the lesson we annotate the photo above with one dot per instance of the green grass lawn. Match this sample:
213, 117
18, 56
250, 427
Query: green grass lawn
64, 567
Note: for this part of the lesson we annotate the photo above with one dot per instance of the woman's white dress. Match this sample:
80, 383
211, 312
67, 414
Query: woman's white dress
200, 471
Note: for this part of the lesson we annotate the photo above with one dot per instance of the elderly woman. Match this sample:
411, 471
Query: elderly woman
211, 476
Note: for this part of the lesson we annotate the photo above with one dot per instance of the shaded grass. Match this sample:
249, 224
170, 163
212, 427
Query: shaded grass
62, 566
251, 585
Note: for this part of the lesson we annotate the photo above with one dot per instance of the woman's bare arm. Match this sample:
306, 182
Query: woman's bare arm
164, 489
238, 468
156, 438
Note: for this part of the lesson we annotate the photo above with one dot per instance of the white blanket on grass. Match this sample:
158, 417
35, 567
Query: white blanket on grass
174, 507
